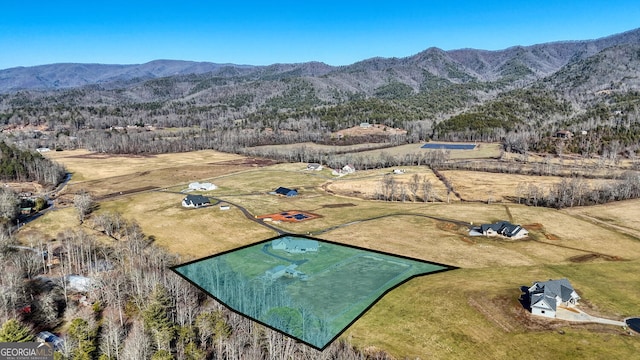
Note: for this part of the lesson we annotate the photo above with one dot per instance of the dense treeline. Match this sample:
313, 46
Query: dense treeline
259, 299
23, 165
292, 110
570, 192
139, 310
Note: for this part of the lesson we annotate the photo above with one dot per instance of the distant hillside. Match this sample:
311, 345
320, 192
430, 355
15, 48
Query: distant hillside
61, 76
466, 94
457, 66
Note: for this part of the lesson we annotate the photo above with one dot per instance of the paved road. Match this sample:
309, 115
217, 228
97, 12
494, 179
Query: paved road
573, 314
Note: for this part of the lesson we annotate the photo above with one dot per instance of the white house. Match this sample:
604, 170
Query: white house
295, 246
314, 166
500, 228
546, 296
398, 171
197, 186
348, 169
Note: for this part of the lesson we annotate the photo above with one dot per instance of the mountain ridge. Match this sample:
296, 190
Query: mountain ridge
458, 65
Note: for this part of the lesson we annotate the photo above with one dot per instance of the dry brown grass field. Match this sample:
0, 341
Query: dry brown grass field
328, 149
471, 312
482, 186
191, 233
483, 151
86, 165
366, 184
623, 215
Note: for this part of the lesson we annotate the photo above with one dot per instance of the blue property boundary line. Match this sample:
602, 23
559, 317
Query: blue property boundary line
445, 268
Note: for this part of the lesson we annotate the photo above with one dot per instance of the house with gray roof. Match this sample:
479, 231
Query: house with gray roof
295, 246
283, 191
195, 201
500, 228
546, 296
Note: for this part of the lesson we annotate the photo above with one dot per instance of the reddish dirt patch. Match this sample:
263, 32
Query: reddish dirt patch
550, 236
593, 256
467, 240
534, 226
447, 226
290, 216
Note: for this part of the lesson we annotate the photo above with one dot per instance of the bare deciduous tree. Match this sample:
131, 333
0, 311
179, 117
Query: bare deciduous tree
84, 204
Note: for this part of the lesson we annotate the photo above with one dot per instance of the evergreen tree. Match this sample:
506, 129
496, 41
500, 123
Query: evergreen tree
156, 318
84, 336
13, 331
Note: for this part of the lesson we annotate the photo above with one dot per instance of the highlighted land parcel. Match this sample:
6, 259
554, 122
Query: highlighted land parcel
306, 288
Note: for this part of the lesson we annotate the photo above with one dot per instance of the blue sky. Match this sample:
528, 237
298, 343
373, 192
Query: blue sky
267, 32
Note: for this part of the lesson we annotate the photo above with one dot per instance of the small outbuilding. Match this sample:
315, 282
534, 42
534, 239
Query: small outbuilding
546, 296
564, 134
195, 201
275, 272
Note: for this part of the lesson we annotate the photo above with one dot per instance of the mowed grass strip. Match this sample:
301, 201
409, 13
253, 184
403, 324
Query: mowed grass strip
625, 214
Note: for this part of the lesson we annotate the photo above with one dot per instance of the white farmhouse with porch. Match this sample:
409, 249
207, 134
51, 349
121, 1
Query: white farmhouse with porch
546, 296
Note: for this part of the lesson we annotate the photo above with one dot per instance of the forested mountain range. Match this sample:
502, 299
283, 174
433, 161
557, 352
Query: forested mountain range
523, 91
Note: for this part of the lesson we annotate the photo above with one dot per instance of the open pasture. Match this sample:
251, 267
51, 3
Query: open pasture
622, 215
86, 165
482, 151
191, 233
475, 313
367, 184
468, 313
319, 148
484, 186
